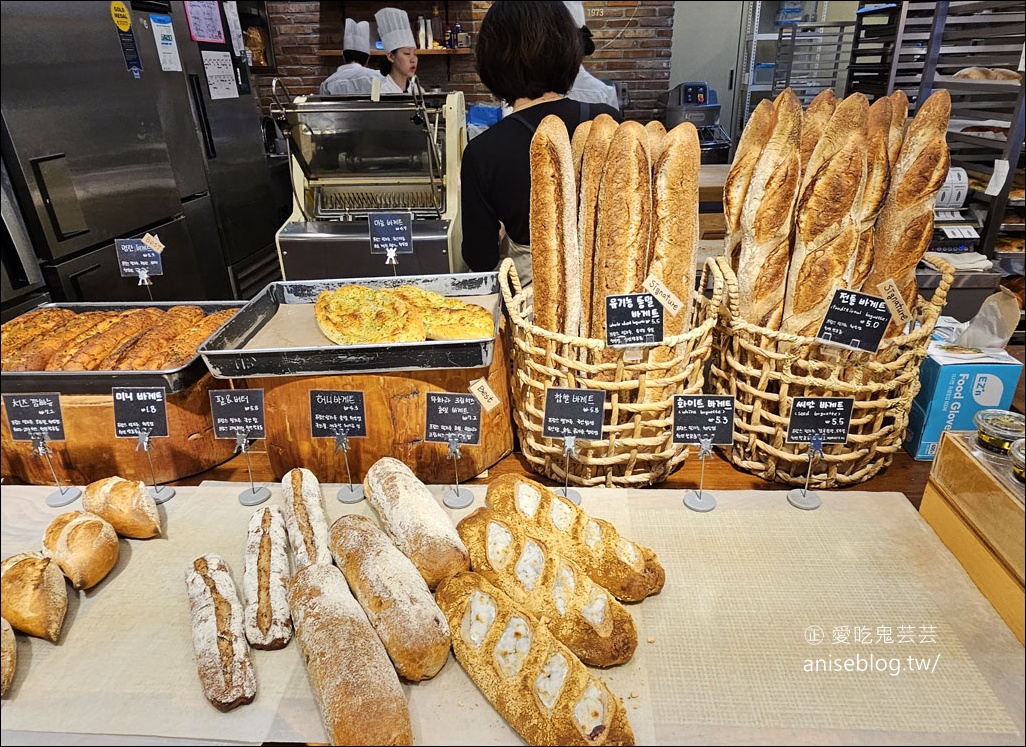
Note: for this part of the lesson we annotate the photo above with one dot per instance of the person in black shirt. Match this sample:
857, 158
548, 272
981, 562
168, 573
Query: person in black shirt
528, 55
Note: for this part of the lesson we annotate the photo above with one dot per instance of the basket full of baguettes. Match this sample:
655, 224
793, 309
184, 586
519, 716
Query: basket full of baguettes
838, 197
610, 210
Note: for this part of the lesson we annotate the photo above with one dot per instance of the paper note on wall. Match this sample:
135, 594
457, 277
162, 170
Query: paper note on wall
231, 14
167, 47
204, 21
220, 75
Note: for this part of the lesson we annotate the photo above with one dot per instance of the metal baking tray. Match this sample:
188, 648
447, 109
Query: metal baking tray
101, 382
276, 334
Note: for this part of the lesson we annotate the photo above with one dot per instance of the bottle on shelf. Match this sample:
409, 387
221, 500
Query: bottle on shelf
447, 42
421, 33
456, 31
435, 28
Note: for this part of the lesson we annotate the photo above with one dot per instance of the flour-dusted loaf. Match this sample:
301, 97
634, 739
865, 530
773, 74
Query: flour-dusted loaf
535, 682
394, 595
814, 123
33, 595
593, 161
357, 690
414, 519
84, 545
126, 504
628, 570
735, 188
305, 520
878, 180
540, 577
265, 580
767, 218
8, 655
217, 615
555, 251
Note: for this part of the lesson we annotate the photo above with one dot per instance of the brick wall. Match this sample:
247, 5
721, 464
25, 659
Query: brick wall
632, 44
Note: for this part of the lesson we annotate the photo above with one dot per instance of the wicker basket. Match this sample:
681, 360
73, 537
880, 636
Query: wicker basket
637, 447
765, 370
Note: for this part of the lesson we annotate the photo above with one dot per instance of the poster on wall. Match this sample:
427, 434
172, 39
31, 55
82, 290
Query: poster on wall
220, 75
167, 49
204, 21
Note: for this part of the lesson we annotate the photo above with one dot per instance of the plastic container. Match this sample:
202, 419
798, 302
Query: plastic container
997, 430
763, 73
1018, 454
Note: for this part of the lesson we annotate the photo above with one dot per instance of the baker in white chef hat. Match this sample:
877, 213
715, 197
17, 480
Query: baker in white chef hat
400, 64
353, 76
587, 87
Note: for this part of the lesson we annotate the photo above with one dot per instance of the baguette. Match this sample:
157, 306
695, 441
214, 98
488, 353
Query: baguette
84, 546
593, 161
265, 581
33, 596
899, 118
74, 338
414, 520
555, 253
753, 139
176, 321
814, 123
8, 655
629, 571
394, 595
218, 634
656, 132
767, 218
305, 520
826, 227
38, 355
357, 690
183, 349
878, 180
126, 504
577, 143
535, 682
538, 576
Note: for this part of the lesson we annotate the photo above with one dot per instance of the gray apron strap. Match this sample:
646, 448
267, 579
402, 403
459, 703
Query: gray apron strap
521, 256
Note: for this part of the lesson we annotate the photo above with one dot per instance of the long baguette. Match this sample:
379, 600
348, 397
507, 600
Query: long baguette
265, 580
593, 161
305, 520
814, 123
878, 180
899, 119
749, 147
577, 143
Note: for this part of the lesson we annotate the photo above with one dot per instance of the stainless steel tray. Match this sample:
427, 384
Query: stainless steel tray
276, 333
101, 382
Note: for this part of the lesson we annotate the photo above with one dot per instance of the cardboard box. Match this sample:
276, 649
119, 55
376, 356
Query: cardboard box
956, 383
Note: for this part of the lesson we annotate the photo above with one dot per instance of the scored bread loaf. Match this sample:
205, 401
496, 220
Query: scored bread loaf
27, 327
33, 596
656, 132
223, 660
767, 218
156, 340
749, 147
394, 595
535, 682
84, 545
415, 521
628, 570
98, 346
38, 355
577, 143
265, 580
540, 578
305, 520
814, 123
878, 179
8, 655
593, 161
126, 504
899, 118
357, 690
555, 252
826, 224
183, 349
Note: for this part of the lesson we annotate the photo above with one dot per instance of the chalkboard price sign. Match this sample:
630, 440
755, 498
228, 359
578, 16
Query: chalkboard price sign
391, 233
855, 320
35, 415
134, 257
237, 411
826, 417
703, 416
337, 413
140, 410
453, 416
573, 412
633, 320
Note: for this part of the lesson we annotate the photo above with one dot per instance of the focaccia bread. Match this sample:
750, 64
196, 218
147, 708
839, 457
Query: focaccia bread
394, 595
126, 504
305, 520
541, 579
8, 655
357, 315
265, 580
358, 692
447, 318
84, 546
415, 521
223, 660
535, 682
33, 595
628, 570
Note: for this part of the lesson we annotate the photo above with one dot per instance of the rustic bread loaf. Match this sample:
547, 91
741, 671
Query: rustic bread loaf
415, 521
183, 350
71, 341
394, 595
27, 327
593, 161
629, 571
656, 132
223, 660
359, 695
38, 355
305, 520
99, 346
540, 577
577, 143
126, 504
878, 180
767, 218
814, 122
8, 655
899, 118
156, 340
535, 682
84, 546
735, 188
265, 580
33, 597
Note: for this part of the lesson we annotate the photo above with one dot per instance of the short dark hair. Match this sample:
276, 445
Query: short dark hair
526, 49
354, 55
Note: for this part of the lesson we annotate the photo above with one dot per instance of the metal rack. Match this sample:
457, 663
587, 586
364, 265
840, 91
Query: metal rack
810, 57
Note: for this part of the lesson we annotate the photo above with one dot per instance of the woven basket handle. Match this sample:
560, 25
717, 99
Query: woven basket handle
508, 277
731, 301
947, 272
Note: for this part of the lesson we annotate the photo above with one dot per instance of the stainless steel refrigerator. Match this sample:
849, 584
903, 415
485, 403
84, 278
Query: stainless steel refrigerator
103, 139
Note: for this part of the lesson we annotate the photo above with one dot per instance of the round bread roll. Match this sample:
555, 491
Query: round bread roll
33, 597
8, 655
84, 545
126, 504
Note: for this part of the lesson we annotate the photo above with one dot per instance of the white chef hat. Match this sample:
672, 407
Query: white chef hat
394, 29
357, 37
576, 12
